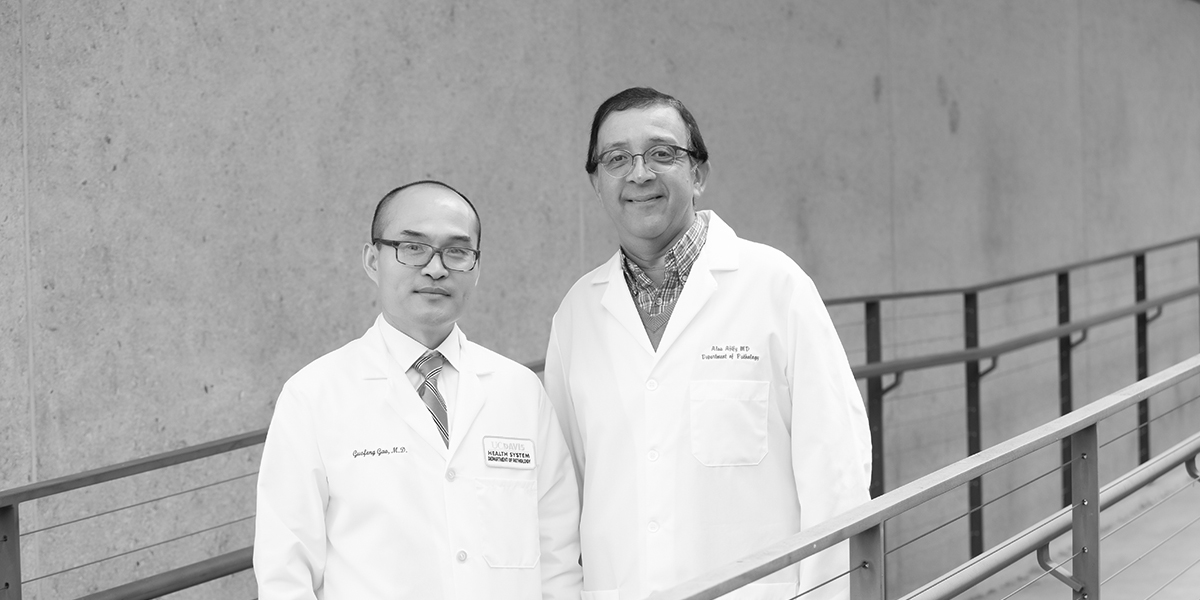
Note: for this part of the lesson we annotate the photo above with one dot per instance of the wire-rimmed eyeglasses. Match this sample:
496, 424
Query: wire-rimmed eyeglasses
658, 159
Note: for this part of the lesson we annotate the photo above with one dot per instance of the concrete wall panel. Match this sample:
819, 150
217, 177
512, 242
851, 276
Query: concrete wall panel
987, 139
1142, 132
15, 431
201, 180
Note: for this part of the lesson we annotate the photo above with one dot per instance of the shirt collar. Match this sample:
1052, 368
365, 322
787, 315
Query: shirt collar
405, 350
680, 257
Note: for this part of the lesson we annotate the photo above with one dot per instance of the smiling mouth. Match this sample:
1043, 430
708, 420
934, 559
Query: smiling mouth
643, 200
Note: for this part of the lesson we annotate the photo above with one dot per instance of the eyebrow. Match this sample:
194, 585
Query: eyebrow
654, 141
417, 234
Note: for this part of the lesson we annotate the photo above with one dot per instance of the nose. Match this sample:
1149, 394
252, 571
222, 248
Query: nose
639, 174
434, 268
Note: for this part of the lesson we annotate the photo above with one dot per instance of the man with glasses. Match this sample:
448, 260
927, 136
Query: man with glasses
704, 392
412, 463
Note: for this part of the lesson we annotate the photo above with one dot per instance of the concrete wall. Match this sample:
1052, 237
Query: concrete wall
185, 189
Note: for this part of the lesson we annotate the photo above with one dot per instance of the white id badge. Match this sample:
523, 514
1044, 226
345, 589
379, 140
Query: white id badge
508, 453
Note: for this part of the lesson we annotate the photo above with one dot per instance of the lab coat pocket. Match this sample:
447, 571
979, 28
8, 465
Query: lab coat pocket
729, 422
510, 522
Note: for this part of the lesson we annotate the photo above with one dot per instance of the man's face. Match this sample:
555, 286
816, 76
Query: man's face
424, 302
648, 208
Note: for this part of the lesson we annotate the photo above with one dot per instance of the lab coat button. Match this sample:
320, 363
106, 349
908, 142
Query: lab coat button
653, 527
652, 455
450, 475
462, 556
652, 385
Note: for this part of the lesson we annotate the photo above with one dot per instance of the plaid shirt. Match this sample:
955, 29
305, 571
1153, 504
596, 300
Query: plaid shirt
656, 303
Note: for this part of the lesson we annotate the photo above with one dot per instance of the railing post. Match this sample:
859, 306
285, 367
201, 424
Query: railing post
1085, 516
867, 572
974, 445
1065, 401
875, 395
10, 552
1143, 359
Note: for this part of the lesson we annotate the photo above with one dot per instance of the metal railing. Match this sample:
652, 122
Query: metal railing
863, 526
971, 356
873, 372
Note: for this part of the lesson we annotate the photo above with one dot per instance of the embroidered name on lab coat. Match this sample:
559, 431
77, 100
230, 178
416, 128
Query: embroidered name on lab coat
729, 352
508, 453
380, 451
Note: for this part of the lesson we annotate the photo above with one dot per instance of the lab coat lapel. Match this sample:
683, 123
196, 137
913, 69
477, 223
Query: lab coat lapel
717, 255
404, 400
699, 288
396, 391
619, 303
471, 395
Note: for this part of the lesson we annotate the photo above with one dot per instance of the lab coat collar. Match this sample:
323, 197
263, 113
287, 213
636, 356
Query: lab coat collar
719, 254
471, 362
388, 348
405, 350
721, 238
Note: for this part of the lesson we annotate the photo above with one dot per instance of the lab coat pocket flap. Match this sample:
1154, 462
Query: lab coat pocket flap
729, 421
509, 508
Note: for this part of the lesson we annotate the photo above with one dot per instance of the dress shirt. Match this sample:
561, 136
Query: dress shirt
405, 351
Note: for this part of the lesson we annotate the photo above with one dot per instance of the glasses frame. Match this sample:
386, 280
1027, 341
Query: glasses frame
633, 159
436, 251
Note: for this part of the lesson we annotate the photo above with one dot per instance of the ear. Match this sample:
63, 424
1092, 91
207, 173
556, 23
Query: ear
699, 177
371, 261
595, 179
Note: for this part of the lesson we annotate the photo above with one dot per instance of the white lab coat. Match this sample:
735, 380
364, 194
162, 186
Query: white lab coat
744, 427
359, 499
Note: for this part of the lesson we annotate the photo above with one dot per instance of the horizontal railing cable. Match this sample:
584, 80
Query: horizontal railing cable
1145, 511
978, 508
136, 504
1173, 579
1155, 547
825, 583
128, 552
1153, 419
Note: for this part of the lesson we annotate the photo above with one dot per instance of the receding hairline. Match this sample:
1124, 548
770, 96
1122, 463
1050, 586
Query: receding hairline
384, 208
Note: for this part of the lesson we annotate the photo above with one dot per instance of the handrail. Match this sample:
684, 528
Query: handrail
179, 579
982, 352
67, 483
875, 512
1022, 544
1010, 280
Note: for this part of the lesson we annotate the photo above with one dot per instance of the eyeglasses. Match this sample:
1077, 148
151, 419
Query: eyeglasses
417, 254
658, 159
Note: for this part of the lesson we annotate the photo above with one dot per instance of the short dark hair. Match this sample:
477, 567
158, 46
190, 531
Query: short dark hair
377, 224
642, 97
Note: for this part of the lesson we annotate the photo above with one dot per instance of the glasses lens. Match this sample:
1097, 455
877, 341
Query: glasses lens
617, 162
413, 253
458, 259
661, 158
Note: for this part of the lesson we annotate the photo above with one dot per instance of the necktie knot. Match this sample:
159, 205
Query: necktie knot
430, 364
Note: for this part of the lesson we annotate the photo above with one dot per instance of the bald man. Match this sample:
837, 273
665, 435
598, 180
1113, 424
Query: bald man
411, 462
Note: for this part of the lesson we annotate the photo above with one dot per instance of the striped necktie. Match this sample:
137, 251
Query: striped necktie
429, 366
